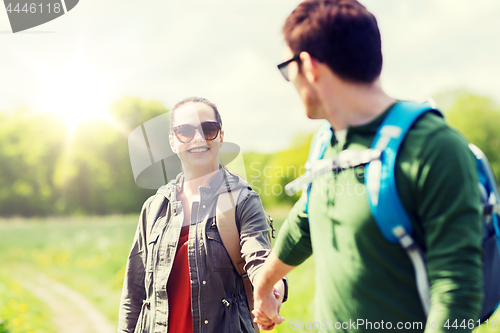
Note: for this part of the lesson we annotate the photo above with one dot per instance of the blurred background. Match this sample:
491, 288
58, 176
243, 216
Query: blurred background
73, 89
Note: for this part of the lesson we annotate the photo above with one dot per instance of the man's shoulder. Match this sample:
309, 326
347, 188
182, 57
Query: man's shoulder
431, 134
432, 150
431, 155
429, 123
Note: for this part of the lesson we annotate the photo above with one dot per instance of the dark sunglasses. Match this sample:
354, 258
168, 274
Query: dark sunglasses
185, 133
283, 67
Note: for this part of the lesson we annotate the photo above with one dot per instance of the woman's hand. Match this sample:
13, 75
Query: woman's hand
268, 292
264, 322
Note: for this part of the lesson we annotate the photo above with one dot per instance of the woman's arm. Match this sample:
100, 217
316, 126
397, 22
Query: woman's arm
133, 292
254, 231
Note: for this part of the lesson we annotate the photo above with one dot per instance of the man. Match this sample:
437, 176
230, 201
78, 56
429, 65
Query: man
335, 63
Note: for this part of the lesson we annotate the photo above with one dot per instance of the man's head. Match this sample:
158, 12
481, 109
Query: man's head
339, 33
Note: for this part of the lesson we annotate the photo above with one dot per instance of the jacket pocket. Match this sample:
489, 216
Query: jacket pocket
219, 258
241, 320
152, 250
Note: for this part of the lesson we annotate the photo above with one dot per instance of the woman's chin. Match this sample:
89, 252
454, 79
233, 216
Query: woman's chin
200, 162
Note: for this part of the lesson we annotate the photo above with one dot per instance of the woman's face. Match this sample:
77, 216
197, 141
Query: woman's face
198, 153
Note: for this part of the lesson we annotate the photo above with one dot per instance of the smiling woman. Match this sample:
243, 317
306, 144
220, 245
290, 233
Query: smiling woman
76, 93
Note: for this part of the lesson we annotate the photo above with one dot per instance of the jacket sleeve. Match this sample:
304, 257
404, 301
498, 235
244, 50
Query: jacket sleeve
254, 230
133, 292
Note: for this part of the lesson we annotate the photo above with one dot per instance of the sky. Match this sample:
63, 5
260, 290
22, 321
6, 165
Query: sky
227, 51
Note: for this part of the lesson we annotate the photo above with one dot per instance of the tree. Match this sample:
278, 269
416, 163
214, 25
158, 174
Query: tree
478, 119
30, 149
269, 173
44, 170
97, 177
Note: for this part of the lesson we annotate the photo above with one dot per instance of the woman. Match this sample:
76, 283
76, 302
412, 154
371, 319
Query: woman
179, 277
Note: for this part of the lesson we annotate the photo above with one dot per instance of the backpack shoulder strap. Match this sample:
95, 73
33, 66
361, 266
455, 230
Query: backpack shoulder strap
385, 204
226, 224
320, 142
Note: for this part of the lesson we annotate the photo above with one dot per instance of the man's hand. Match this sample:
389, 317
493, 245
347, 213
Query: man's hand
268, 292
264, 322
267, 307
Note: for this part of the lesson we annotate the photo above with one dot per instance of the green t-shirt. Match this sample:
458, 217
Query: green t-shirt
360, 277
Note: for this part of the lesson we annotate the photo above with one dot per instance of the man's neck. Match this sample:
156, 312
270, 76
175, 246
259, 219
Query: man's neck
355, 104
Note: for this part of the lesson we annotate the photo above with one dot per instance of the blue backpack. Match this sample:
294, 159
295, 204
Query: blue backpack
386, 206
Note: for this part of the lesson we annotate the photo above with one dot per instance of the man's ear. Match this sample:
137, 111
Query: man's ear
221, 135
309, 66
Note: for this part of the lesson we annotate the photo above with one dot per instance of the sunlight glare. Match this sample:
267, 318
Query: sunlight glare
76, 93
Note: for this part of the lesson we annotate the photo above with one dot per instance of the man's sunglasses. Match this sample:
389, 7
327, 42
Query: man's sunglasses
283, 67
185, 133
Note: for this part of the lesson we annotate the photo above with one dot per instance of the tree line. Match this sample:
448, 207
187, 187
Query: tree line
45, 170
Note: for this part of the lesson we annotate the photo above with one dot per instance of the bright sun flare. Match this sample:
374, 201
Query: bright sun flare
76, 93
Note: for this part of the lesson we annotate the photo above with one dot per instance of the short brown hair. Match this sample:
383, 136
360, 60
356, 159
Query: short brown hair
343, 34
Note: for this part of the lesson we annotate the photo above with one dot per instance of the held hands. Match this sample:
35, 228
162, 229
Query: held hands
268, 298
267, 305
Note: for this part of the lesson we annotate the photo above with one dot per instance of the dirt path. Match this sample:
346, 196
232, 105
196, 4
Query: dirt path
73, 313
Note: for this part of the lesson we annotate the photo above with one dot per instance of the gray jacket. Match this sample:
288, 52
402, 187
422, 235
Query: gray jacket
218, 298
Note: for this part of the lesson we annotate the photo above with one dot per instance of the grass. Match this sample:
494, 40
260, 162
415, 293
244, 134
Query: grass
20, 311
89, 255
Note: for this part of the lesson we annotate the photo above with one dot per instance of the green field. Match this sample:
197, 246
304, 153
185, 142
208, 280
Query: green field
89, 255
20, 311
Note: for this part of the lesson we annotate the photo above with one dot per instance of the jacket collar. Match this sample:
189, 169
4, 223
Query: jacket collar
221, 182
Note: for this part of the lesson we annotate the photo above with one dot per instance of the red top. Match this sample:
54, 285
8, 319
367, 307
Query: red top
180, 318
